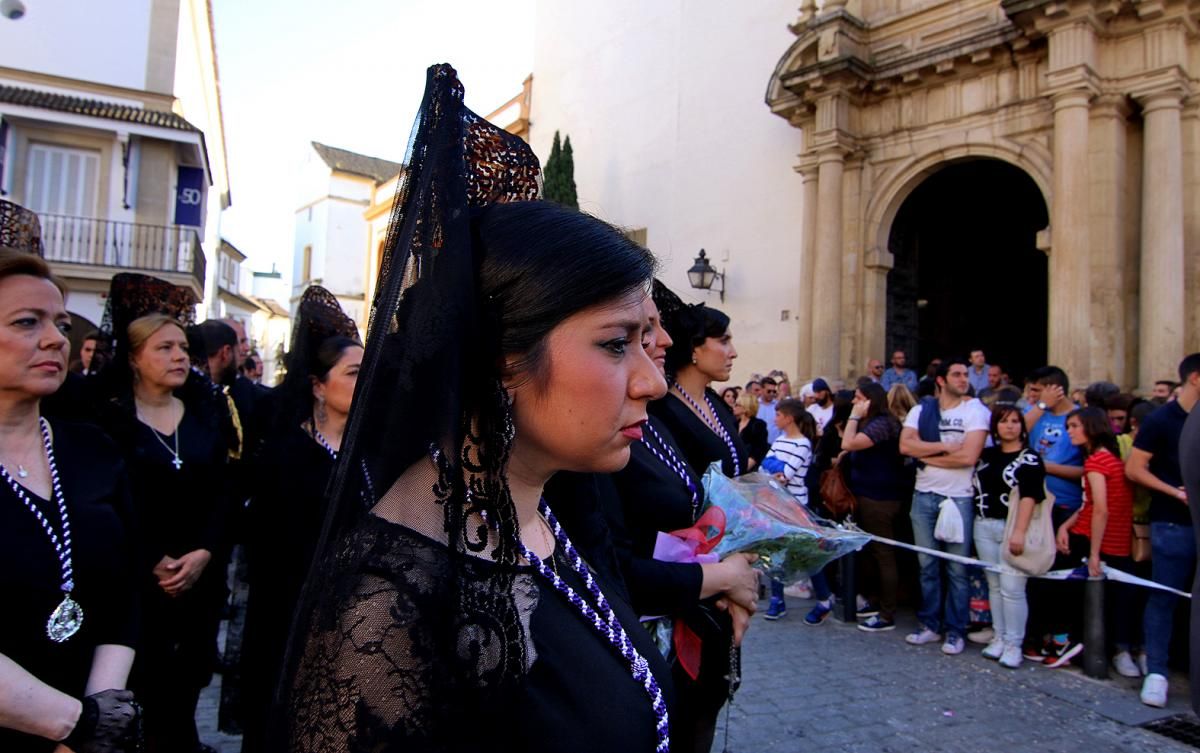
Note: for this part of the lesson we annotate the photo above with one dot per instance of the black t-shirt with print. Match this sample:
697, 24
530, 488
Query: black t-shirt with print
997, 473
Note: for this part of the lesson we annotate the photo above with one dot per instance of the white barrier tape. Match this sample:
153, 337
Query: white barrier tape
1109, 572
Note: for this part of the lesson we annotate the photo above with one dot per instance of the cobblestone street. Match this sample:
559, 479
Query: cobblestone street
834, 687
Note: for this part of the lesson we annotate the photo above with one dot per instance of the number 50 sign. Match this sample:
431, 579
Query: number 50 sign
189, 196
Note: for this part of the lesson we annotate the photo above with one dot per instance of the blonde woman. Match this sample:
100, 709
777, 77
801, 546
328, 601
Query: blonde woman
752, 429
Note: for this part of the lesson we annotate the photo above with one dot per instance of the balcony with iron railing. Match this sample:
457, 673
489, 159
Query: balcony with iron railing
169, 251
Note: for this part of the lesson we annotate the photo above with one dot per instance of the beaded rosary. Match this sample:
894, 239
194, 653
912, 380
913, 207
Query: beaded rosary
718, 429
672, 461
321, 440
67, 617
605, 622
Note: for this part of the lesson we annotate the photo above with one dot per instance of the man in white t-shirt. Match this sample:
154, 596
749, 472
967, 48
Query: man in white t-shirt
822, 406
949, 464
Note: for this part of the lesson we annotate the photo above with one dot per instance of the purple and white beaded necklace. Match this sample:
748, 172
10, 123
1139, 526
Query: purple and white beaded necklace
67, 617
718, 428
604, 621
672, 461
321, 440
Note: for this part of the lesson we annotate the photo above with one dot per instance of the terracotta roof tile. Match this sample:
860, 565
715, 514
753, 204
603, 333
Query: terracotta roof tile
92, 107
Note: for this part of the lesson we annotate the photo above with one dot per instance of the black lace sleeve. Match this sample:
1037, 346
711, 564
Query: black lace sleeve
370, 671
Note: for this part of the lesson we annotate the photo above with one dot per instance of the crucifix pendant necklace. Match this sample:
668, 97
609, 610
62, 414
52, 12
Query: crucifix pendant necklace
176, 460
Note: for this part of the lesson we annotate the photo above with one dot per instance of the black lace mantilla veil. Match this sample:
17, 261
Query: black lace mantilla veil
319, 317
415, 615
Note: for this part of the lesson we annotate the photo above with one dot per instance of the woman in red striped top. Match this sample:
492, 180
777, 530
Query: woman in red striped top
1102, 528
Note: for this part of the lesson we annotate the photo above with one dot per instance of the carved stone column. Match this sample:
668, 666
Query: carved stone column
808, 252
1161, 293
1070, 290
827, 267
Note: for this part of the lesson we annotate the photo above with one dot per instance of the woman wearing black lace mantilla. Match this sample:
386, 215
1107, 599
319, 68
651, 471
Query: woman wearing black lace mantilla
448, 610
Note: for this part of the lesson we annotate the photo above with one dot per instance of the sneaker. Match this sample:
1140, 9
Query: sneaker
865, 611
819, 613
776, 608
1125, 666
1062, 653
921, 637
1154, 691
1011, 657
994, 650
983, 636
954, 645
799, 590
1143, 663
1034, 653
876, 624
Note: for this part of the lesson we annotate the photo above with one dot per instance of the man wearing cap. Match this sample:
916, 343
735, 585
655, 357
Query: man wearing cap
822, 407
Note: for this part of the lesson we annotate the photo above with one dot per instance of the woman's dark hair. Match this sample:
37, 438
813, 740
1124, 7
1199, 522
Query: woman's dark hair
843, 403
689, 327
1001, 411
533, 274
1097, 429
734, 390
877, 400
329, 352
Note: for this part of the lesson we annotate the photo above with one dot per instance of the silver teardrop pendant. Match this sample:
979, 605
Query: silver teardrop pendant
65, 620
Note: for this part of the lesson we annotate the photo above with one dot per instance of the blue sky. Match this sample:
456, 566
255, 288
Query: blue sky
348, 73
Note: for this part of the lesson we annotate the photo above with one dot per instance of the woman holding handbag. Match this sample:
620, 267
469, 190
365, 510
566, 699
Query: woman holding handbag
1009, 481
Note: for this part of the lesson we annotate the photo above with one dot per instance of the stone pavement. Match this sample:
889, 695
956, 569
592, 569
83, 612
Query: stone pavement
834, 687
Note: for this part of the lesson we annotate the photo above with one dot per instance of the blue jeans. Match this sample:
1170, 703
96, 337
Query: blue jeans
924, 515
1173, 562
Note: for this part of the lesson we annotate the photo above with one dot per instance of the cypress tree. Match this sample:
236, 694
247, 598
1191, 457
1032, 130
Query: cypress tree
550, 173
567, 175
558, 176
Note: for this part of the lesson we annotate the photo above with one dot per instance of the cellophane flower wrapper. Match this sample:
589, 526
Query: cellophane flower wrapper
763, 518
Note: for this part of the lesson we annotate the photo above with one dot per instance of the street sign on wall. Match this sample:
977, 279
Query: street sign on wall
189, 196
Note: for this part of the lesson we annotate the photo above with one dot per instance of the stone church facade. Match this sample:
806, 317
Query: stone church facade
1096, 101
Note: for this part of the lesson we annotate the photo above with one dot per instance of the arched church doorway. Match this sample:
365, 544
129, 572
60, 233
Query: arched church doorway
967, 272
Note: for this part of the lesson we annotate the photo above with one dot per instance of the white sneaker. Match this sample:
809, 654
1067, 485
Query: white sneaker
1154, 691
994, 650
798, 590
984, 635
1011, 657
921, 637
953, 646
1125, 665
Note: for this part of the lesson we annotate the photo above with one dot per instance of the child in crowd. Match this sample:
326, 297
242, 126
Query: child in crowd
788, 461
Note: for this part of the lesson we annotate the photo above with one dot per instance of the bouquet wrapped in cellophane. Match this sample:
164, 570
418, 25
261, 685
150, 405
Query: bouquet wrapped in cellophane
761, 517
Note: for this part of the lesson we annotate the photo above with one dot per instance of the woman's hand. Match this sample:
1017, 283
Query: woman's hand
741, 581
188, 570
166, 568
859, 410
1063, 540
1094, 565
1016, 543
739, 616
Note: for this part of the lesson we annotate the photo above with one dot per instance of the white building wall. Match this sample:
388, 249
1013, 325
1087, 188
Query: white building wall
664, 107
60, 38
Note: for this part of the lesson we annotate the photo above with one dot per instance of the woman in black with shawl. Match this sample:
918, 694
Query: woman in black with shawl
291, 473
449, 610
174, 429
659, 492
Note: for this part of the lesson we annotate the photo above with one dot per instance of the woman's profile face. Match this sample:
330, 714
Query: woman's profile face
659, 340
162, 360
738, 410
589, 402
1075, 431
715, 357
338, 387
33, 340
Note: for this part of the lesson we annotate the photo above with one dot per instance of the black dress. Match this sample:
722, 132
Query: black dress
700, 444
577, 693
284, 522
754, 436
179, 511
96, 491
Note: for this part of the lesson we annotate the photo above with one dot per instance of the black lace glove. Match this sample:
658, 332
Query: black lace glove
109, 723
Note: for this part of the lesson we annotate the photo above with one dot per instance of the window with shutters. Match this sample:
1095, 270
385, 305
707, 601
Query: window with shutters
62, 180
